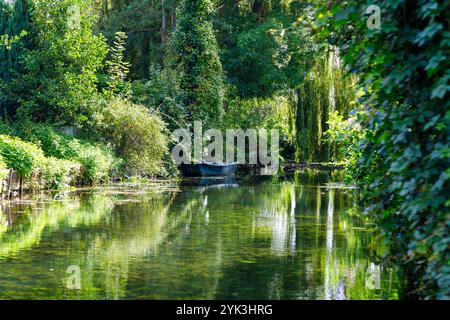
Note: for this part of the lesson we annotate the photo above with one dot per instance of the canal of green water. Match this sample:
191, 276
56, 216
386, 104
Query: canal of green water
291, 237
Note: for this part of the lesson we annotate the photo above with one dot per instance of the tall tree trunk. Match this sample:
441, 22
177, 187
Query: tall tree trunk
163, 23
173, 20
257, 7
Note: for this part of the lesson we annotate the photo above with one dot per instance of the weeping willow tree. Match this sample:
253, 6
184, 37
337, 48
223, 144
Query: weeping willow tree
324, 90
343, 95
313, 106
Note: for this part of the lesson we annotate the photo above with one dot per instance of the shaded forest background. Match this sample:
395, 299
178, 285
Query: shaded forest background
269, 64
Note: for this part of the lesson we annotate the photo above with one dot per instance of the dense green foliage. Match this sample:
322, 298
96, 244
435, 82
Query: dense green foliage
347, 135
22, 156
266, 51
56, 80
137, 136
14, 22
28, 159
404, 164
58, 174
162, 93
269, 51
262, 51
147, 25
194, 55
18, 36
97, 161
122, 74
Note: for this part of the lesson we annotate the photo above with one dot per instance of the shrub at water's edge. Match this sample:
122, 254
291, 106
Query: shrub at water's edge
56, 169
28, 160
21, 156
97, 160
3, 169
137, 135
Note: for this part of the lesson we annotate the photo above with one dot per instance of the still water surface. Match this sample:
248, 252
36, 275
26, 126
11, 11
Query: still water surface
288, 238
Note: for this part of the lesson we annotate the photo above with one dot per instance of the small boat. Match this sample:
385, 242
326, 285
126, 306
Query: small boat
208, 169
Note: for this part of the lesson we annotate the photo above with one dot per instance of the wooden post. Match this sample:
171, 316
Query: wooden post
10, 177
21, 185
3, 188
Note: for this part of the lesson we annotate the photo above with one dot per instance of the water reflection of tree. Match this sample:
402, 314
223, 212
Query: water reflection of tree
315, 251
27, 225
268, 241
33, 219
134, 230
273, 241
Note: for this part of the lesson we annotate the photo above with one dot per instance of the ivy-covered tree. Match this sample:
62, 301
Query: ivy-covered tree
194, 55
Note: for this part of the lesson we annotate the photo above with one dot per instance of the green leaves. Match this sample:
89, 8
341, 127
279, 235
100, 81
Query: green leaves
97, 161
8, 41
441, 86
56, 79
404, 159
433, 64
21, 156
194, 56
137, 135
428, 33
118, 68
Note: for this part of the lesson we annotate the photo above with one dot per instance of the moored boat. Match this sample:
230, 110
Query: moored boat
208, 169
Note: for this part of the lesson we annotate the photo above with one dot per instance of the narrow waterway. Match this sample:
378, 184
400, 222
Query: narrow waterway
296, 237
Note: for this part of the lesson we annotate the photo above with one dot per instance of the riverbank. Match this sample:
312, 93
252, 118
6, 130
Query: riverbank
13, 185
30, 195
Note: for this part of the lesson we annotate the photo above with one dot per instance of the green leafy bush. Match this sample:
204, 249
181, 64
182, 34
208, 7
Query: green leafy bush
3, 169
98, 161
346, 136
58, 174
24, 157
138, 136
27, 158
